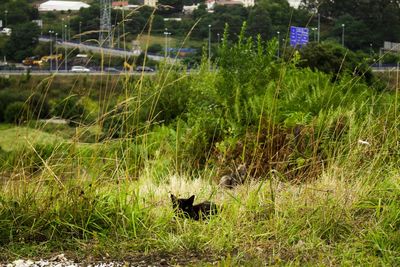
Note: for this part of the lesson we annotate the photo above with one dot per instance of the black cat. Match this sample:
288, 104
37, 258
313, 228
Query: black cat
184, 207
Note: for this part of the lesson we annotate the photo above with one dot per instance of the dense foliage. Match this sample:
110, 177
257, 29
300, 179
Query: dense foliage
320, 150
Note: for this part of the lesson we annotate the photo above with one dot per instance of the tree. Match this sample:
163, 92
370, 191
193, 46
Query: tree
356, 32
259, 22
372, 17
333, 58
18, 11
23, 40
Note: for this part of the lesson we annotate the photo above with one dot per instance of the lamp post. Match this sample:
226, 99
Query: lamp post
218, 38
279, 43
166, 42
209, 44
119, 45
66, 51
319, 27
80, 31
51, 49
343, 25
371, 50
69, 28
6, 13
314, 31
56, 52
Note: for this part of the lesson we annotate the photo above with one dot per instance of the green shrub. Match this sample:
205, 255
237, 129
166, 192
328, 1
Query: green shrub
155, 48
16, 112
37, 104
69, 108
4, 83
334, 59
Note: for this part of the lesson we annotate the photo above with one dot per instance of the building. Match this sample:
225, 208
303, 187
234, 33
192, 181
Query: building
120, 4
54, 5
212, 3
123, 5
189, 9
152, 3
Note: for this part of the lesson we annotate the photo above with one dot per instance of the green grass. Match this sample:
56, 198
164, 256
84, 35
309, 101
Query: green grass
314, 194
12, 138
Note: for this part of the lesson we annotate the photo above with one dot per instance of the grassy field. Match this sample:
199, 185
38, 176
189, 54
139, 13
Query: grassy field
321, 152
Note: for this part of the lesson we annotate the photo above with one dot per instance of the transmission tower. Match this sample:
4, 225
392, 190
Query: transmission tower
105, 23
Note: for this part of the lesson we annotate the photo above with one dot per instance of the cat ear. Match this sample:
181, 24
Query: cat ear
191, 199
173, 198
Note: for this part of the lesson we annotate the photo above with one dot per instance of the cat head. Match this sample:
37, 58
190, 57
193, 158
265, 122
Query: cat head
184, 205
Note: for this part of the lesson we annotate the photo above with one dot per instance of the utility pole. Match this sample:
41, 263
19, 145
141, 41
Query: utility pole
343, 25
56, 52
166, 42
105, 23
66, 51
279, 43
80, 31
69, 29
314, 32
118, 25
319, 27
209, 45
51, 50
6, 13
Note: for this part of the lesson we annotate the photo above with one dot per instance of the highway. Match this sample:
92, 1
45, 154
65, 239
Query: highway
69, 73
106, 51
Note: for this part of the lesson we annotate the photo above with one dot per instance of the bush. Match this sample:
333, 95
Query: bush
4, 83
70, 109
36, 103
16, 112
155, 48
332, 58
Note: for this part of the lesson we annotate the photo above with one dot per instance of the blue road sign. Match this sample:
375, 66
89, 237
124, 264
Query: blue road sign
298, 36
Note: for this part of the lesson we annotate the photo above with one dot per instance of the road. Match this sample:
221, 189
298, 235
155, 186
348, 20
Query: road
107, 51
69, 73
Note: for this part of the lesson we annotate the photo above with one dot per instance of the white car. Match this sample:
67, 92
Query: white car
79, 69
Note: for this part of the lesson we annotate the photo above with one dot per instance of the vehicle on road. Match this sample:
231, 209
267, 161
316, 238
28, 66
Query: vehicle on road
79, 69
37, 61
111, 69
144, 68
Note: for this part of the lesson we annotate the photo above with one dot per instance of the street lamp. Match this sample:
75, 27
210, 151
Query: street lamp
6, 13
66, 51
56, 52
166, 41
69, 28
80, 31
279, 42
119, 45
51, 50
209, 44
218, 37
371, 50
343, 25
314, 31
319, 26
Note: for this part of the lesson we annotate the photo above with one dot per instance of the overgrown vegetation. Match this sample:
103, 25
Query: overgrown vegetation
321, 152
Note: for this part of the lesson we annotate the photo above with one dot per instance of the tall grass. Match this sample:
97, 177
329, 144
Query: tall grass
314, 193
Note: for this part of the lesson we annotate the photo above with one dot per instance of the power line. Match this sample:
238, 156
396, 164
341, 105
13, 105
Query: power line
105, 23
